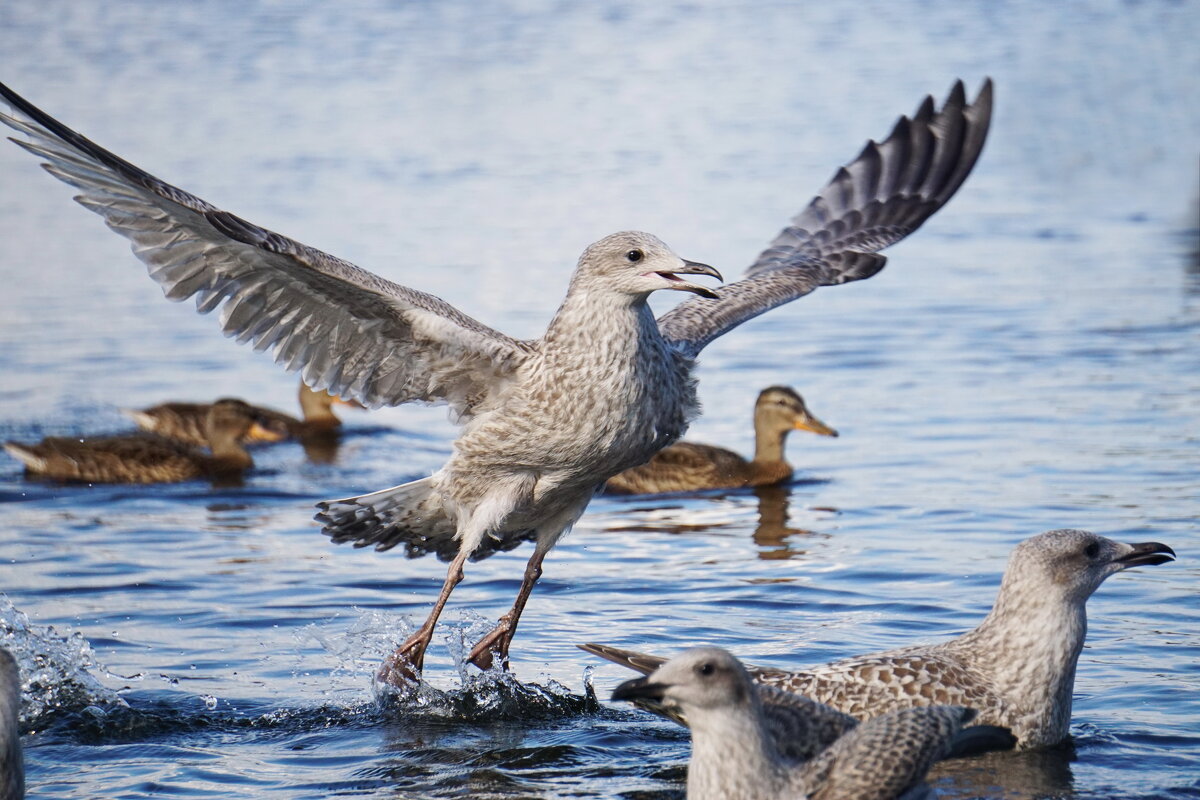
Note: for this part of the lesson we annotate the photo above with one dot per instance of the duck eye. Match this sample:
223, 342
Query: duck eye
705, 669
635, 256
1092, 550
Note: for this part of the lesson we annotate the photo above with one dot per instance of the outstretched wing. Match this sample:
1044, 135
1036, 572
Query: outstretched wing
345, 329
875, 201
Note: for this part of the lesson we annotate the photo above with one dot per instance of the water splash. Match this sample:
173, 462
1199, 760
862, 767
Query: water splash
55, 677
474, 696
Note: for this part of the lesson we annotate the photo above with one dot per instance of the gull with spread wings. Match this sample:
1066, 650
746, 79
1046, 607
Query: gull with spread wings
547, 421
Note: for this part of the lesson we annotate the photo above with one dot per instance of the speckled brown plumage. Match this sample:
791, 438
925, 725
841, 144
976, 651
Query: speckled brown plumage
688, 466
184, 422
736, 748
145, 457
1017, 668
547, 421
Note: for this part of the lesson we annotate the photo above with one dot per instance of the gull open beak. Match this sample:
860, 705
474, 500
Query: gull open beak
1145, 554
691, 268
639, 689
810, 423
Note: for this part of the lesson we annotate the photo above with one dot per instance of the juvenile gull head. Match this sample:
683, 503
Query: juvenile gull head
1069, 565
736, 754
637, 263
702, 682
1017, 668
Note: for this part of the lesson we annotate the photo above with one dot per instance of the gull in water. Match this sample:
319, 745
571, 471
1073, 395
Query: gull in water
688, 466
546, 421
1017, 668
736, 747
12, 763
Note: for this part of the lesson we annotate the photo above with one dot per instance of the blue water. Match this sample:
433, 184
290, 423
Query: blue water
1029, 360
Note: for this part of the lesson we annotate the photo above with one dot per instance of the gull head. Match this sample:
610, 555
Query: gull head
780, 408
1077, 562
697, 680
637, 264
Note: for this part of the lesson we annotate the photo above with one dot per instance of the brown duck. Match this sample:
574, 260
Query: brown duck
185, 422
686, 466
147, 457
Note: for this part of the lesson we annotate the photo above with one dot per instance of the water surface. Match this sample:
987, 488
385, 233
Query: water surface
1029, 360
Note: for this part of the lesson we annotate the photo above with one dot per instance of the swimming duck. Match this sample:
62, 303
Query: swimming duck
146, 457
185, 422
686, 466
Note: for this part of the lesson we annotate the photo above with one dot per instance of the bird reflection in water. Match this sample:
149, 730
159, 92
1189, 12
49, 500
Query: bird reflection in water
772, 534
675, 513
1041, 774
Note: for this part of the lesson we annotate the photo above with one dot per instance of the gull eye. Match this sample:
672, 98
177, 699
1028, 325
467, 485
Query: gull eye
635, 256
1092, 550
705, 669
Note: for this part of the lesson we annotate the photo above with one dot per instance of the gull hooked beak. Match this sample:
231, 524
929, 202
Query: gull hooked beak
690, 268
639, 689
1145, 554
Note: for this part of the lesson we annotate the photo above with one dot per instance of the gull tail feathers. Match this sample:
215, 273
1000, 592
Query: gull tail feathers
410, 514
632, 659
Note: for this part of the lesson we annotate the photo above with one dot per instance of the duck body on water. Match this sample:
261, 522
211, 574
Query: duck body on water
150, 458
689, 466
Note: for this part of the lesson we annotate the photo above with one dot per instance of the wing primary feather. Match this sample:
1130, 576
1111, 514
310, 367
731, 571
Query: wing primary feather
883, 195
275, 293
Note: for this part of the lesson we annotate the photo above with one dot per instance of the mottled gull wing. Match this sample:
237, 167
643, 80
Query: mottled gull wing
800, 727
345, 329
874, 684
884, 757
875, 201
